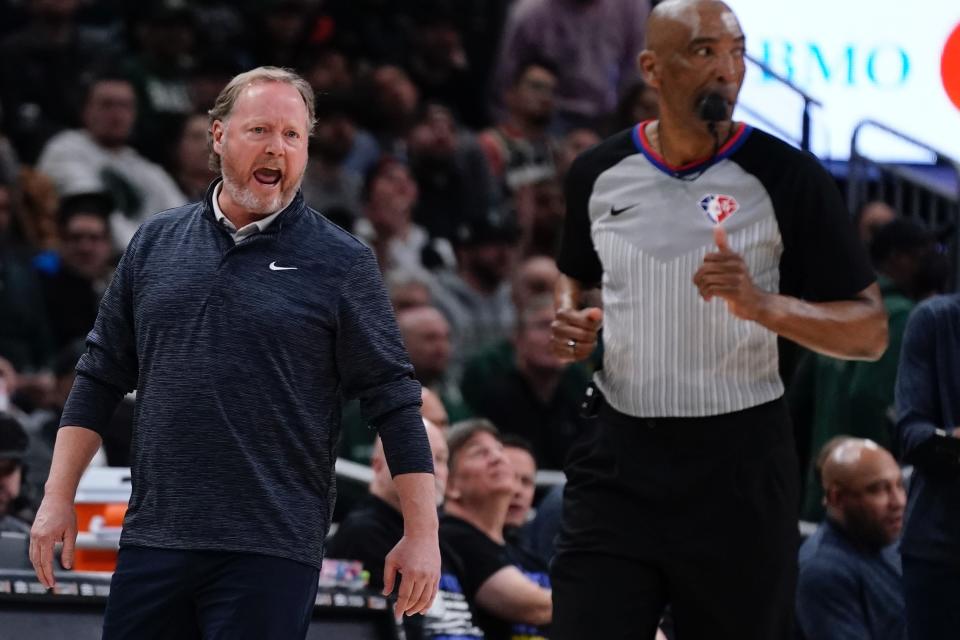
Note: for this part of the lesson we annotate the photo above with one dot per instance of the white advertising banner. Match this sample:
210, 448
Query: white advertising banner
891, 61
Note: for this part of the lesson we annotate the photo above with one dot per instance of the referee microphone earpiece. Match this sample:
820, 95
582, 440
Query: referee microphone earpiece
713, 109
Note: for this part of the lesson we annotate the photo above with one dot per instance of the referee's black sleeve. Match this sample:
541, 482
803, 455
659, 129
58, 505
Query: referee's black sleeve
578, 257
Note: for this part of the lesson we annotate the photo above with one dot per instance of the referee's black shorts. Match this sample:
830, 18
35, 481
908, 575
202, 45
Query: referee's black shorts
697, 513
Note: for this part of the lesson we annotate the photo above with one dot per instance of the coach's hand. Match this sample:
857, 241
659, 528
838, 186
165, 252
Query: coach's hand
724, 274
56, 521
574, 333
417, 559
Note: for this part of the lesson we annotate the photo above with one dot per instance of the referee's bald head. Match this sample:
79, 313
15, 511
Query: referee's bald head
673, 23
695, 50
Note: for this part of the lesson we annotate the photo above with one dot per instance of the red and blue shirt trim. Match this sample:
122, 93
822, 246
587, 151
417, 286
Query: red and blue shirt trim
642, 143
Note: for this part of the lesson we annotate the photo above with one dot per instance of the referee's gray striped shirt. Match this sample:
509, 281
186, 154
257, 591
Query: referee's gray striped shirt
667, 352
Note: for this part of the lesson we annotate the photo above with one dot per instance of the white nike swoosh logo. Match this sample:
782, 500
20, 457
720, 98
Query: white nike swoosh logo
274, 267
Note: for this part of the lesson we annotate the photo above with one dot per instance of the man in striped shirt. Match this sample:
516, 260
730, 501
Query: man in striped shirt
709, 239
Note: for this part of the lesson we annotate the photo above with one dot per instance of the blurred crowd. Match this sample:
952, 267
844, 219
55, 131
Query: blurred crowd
444, 131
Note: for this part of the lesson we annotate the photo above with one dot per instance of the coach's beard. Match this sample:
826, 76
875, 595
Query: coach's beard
260, 204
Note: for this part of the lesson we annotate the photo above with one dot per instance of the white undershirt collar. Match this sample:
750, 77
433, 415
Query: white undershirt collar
257, 226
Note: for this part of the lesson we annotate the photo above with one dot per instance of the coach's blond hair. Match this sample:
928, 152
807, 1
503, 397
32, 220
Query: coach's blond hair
228, 98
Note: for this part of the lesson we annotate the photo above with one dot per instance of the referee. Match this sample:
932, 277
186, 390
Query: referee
710, 239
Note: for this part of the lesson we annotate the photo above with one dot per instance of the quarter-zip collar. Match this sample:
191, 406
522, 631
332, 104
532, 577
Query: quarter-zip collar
271, 224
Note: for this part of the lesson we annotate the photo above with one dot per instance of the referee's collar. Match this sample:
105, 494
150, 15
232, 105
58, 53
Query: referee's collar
642, 143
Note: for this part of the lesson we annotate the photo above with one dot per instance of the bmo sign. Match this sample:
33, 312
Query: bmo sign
814, 63
862, 59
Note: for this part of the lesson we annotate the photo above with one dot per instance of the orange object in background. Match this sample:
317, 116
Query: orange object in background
111, 515
101, 504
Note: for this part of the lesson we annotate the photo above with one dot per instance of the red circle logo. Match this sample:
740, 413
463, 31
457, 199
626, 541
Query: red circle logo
950, 67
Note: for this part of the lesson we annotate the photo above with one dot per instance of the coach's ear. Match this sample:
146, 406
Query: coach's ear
649, 68
216, 136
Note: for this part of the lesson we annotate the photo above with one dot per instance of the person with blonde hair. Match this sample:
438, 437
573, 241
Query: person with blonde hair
244, 322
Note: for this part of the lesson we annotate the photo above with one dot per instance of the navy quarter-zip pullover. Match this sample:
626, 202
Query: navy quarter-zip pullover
241, 355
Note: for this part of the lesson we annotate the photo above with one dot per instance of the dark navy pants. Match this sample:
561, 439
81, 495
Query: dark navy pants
213, 595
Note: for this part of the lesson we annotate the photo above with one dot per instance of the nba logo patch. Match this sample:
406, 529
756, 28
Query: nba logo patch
719, 207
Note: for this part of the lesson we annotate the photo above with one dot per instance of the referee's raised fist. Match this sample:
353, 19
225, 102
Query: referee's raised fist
574, 333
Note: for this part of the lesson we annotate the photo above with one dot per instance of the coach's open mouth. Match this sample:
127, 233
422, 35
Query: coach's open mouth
268, 177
